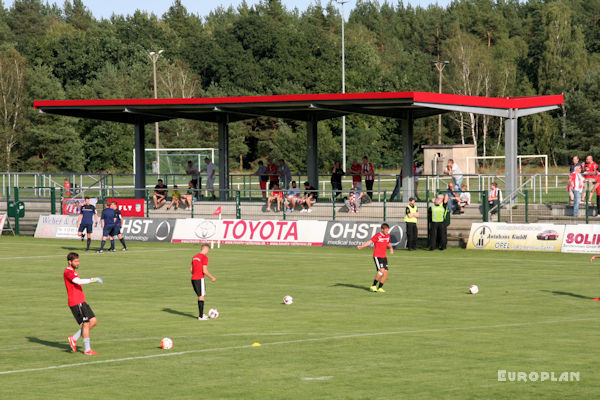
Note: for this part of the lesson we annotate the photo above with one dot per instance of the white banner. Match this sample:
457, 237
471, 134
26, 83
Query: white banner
526, 237
581, 239
2, 222
264, 232
61, 227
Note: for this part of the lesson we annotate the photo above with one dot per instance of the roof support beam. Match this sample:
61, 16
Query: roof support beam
312, 151
223, 156
496, 112
140, 160
511, 141
408, 176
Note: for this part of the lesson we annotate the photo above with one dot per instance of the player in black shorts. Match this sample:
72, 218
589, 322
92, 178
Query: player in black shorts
116, 231
87, 217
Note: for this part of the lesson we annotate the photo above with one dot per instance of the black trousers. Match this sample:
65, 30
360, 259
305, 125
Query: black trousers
337, 187
411, 235
369, 184
438, 236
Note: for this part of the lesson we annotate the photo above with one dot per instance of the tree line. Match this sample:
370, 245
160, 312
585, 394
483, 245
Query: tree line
493, 48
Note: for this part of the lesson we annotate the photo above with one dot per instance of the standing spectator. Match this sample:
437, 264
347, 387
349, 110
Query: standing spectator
589, 171
276, 195
355, 172
210, 177
396, 191
336, 179
455, 172
284, 172
412, 214
438, 234
576, 183
192, 170
272, 172
453, 199
261, 172
465, 198
494, 197
418, 172
292, 197
575, 163
160, 194
369, 173
67, 187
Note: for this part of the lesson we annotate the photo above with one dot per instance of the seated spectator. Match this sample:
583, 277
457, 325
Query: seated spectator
494, 197
310, 196
276, 195
188, 198
160, 194
354, 199
465, 199
175, 197
292, 197
453, 199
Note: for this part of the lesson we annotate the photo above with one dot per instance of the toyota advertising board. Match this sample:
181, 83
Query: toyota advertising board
526, 237
351, 234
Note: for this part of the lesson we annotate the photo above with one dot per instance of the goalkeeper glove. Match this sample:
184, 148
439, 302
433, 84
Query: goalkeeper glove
97, 279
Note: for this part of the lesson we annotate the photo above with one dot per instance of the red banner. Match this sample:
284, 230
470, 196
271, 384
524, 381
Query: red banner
73, 206
131, 207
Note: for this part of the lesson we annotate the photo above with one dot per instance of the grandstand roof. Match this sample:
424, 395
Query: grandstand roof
302, 107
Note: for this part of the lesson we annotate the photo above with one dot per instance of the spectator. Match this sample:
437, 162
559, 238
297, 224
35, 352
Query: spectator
411, 218
453, 199
310, 196
188, 198
67, 187
354, 199
369, 173
272, 173
465, 198
261, 172
210, 177
355, 172
284, 172
160, 194
438, 233
175, 197
589, 171
576, 183
396, 191
418, 172
455, 172
336, 179
575, 163
194, 174
494, 197
293, 197
276, 195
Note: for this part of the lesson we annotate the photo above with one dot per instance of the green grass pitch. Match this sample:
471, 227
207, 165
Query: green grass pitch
426, 338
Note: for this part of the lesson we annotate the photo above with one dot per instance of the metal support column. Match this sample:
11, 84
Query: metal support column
140, 160
511, 133
408, 175
223, 157
312, 151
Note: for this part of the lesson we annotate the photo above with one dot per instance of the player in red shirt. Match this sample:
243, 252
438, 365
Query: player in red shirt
381, 243
199, 269
76, 299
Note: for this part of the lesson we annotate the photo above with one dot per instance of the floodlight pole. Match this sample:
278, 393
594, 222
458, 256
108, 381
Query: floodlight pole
439, 65
154, 57
342, 2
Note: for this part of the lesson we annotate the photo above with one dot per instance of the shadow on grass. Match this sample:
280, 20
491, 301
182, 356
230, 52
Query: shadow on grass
58, 345
560, 293
73, 248
350, 285
171, 311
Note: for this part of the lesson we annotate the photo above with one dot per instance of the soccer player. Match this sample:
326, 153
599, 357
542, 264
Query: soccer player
108, 221
381, 242
199, 269
117, 229
87, 217
76, 299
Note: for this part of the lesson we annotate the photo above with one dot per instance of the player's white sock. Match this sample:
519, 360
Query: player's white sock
86, 344
77, 335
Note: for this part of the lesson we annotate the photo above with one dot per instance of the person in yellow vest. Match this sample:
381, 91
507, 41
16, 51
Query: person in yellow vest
437, 212
412, 213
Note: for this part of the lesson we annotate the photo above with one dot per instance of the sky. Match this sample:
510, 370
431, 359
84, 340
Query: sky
105, 8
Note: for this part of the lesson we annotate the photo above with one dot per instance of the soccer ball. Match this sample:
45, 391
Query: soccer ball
213, 313
166, 343
473, 289
288, 300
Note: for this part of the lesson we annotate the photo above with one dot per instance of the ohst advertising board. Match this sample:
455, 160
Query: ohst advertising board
351, 234
148, 229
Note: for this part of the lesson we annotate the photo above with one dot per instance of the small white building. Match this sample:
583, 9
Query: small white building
436, 157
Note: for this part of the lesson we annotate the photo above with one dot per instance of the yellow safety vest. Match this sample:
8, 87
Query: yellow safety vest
438, 213
412, 210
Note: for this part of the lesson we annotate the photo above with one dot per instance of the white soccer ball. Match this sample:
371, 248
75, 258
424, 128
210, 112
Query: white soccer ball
288, 300
473, 289
213, 313
166, 343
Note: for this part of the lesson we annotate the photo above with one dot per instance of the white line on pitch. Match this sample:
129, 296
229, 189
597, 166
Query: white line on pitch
249, 346
93, 253
316, 378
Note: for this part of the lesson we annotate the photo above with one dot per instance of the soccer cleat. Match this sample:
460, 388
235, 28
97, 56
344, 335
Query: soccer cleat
373, 288
100, 251
124, 249
90, 352
597, 299
203, 318
112, 250
73, 344
380, 290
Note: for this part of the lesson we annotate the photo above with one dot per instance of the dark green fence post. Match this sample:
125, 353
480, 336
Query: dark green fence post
333, 204
238, 211
52, 201
587, 218
526, 192
385, 205
484, 205
17, 229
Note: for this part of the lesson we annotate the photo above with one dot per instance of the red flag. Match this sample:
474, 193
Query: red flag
217, 211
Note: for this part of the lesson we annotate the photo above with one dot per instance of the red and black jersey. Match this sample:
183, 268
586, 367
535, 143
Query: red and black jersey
381, 243
75, 293
198, 263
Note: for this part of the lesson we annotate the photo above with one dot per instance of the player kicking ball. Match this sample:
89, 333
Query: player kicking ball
382, 241
81, 310
199, 269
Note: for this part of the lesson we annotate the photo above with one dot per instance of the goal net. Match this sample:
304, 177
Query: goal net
174, 161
